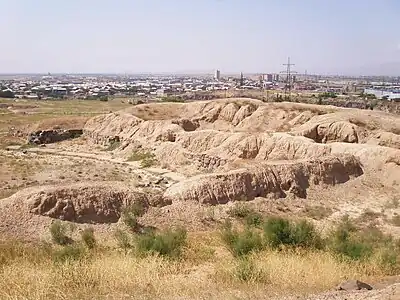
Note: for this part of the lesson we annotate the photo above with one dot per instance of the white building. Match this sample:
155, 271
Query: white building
390, 95
217, 75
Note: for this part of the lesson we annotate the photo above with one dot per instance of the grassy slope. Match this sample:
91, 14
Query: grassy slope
205, 270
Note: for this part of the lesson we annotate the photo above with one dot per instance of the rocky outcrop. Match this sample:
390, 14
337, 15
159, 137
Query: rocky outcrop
332, 132
266, 179
53, 136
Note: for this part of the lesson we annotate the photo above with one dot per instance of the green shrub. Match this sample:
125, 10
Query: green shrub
123, 240
254, 219
88, 238
241, 243
130, 220
148, 162
140, 154
146, 158
240, 210
69, 253
58, 232
344, 243
305, 235
168, 243
113, 145
279, 232
245, 212
131, 213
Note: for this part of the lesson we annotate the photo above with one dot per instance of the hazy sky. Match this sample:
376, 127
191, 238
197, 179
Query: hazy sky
321, 36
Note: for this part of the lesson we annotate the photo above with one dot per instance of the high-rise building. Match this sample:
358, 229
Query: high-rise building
276, 77
270, 77
217, 75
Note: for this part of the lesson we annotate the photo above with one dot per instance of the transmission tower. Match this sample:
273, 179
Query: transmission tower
288, 85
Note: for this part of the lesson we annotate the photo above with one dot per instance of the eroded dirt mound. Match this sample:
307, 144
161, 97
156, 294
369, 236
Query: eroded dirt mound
353, 126
245, 128
84, 203
277, 179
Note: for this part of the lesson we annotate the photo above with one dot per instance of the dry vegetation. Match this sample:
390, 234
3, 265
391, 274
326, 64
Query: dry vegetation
197, 267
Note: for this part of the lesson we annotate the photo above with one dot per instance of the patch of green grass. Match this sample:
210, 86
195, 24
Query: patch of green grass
113, 146
146, 158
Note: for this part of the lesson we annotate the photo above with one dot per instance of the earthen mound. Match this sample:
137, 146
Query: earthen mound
83, 203
276, 179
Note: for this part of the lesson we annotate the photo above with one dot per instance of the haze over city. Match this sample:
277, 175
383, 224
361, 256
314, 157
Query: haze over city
176, 36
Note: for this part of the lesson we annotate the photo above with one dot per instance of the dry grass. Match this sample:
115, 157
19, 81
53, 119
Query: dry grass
206, 270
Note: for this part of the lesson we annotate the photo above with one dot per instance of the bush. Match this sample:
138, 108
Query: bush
241, 243
69, 253
58, 232
168, 243
130, 220
240, 210
148, 162
113, 145
123, 240
347, 246
248, 214
279, 232
254, 219
88, 238
130, 215
146, 158
305, 235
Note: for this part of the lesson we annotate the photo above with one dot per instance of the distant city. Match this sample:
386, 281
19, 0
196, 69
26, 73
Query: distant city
103, 86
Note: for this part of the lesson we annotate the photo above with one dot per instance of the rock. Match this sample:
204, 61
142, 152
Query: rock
53, 136
353, 285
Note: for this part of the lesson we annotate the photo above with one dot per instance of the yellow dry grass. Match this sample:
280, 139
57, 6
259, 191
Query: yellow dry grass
206, 270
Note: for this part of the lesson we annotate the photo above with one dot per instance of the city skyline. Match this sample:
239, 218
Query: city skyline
176, 37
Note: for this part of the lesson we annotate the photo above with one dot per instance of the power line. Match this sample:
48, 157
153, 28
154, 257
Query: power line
288, 85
